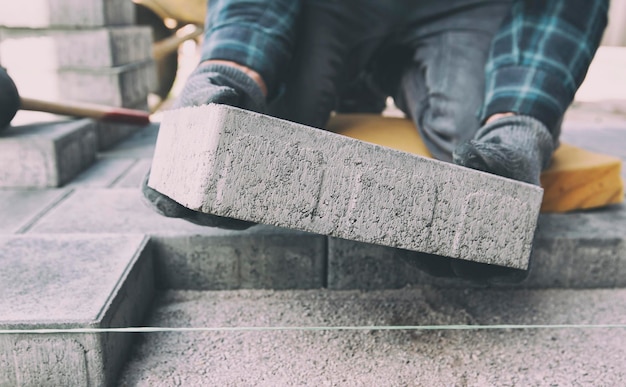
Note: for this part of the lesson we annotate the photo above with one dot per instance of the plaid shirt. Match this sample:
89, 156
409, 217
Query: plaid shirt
260, 37
540, 57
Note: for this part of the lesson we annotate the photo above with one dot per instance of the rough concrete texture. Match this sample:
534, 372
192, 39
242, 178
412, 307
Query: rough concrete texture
112, 133
66, 13
46, 155
134, 175
260, 258
84, 48
126, 85
103, 173
577, 250
194, 257
64, 282
19, 208
505, 357
231, 162
140, 145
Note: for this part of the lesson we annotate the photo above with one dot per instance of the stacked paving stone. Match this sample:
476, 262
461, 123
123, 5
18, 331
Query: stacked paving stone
85, 51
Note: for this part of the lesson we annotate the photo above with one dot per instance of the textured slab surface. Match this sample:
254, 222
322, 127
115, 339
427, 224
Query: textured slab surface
512, 357
83, 48
576, 250
576, 179
19, 208
64, 282
46, 155
67, 13
126, 85
194, 257
235, 163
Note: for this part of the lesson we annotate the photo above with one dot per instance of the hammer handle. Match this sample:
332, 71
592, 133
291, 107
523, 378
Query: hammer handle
98, 112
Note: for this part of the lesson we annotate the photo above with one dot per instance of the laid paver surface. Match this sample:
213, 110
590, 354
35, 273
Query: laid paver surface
504, 357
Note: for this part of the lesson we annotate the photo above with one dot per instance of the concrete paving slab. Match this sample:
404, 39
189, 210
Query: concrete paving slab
138, 146
46, 155
135, 175
103, 173
578, 250
231, 162
503, 357
111, 133
66, 13
67, 281
75, 48
126, 85
194, 257
261, 258
19, 208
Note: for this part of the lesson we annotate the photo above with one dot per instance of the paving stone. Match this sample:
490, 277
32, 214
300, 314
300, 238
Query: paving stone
231, 162
83, 48
139, 145
21, 207
103, 173
66, 13
112, 133
126, 85
46, 155
404, 357
262, 258
190, 256
63, 281
576, 250
134, 176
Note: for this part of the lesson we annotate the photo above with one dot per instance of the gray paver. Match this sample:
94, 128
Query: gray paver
235, 163
139, 145
46, 155
503, 357
112, 133
260, 258
190, 256
67, 281
83, 48
577, 250
103, 173
18, 208
66, 13
126, 85
134, 175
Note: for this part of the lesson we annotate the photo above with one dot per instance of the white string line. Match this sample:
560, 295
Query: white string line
49, 331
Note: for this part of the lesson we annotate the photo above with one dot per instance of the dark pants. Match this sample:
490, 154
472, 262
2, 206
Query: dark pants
429, 55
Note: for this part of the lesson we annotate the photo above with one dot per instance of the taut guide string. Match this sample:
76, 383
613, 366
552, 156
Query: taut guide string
309, 328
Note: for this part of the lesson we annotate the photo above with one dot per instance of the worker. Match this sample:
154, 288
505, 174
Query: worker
485, 82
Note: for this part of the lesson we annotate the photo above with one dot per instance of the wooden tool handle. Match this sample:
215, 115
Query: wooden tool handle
98, 112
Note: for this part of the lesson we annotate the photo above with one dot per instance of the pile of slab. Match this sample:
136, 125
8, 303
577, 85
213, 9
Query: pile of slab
84, 51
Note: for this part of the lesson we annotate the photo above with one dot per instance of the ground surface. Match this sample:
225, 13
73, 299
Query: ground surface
503, 357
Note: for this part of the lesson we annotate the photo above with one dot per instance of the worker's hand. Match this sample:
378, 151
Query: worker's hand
211, 82
512, 146
9, 99
217, 82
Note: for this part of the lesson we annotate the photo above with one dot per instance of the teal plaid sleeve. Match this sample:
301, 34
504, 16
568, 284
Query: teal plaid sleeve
256, 33
540, 57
